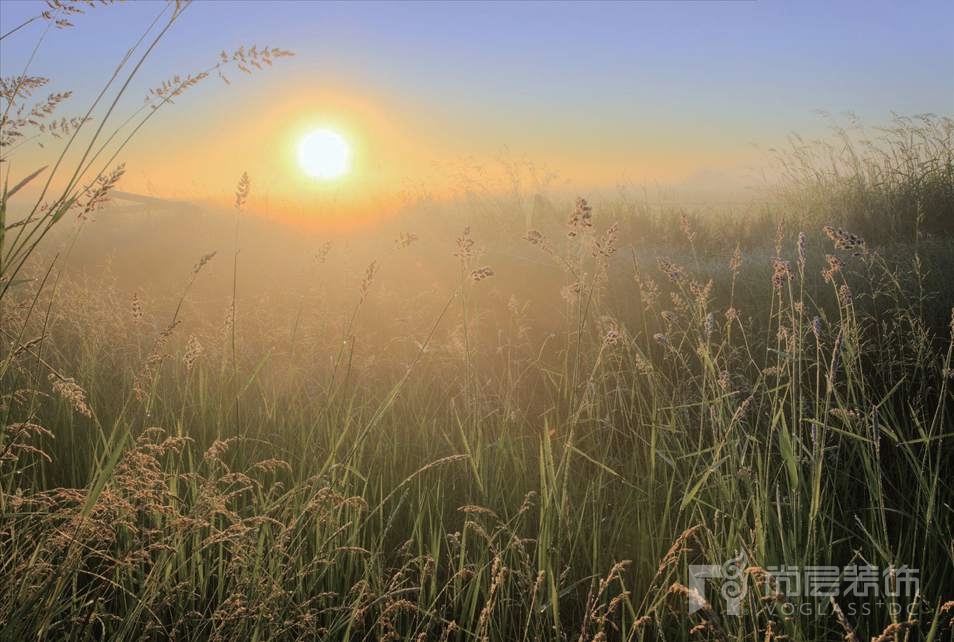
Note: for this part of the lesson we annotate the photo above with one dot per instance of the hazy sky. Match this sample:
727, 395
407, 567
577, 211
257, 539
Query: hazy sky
599, 93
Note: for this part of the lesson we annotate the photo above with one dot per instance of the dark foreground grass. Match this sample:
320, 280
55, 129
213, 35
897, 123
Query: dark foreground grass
483, 480
538, 446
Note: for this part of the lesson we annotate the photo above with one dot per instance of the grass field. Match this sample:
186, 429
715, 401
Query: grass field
533, 443
509, 416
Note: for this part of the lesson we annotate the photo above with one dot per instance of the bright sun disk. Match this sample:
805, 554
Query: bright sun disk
324, 154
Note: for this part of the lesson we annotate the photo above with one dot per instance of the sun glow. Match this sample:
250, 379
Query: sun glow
324, 154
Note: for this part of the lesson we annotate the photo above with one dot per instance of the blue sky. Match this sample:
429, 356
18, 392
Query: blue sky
608, 85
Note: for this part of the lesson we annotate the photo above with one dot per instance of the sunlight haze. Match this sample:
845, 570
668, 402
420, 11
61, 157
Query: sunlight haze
421, 91
550, 321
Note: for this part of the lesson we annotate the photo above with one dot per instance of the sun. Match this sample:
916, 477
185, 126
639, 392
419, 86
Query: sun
324, 154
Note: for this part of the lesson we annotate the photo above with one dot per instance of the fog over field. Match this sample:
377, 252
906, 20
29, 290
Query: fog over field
476, 321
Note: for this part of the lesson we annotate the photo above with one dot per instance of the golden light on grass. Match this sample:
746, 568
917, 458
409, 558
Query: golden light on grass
426, 399
324, 154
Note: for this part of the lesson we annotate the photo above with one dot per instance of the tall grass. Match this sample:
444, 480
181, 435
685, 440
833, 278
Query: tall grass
518, 461
497, 485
